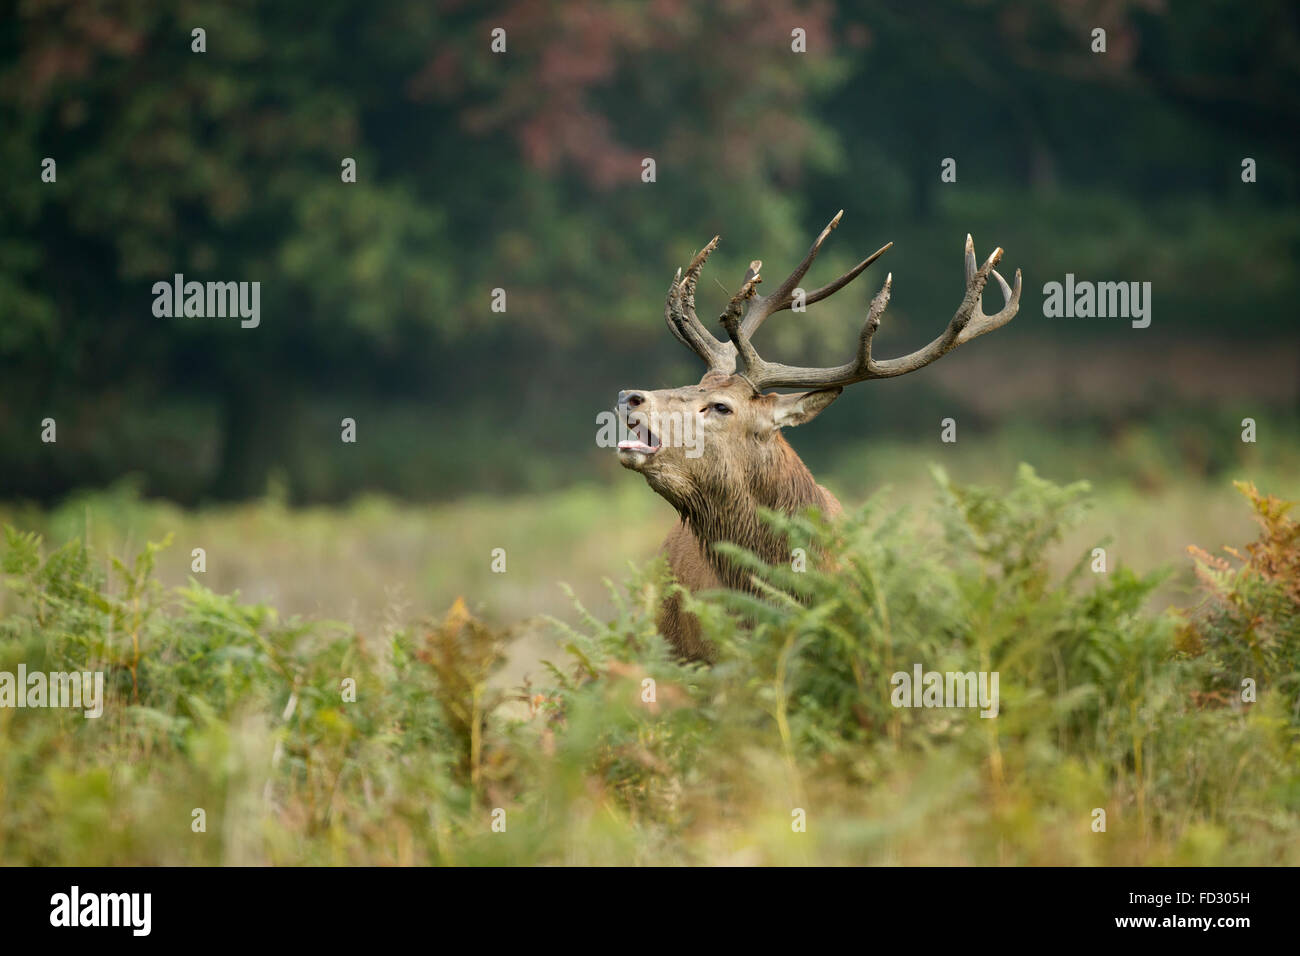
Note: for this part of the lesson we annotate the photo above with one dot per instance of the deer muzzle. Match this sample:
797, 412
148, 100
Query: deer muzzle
641, 442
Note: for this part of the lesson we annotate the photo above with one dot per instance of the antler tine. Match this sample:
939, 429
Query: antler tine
672, 309
748, 286
766, 305
783, 296
967, 323
832, 287
979, 323
731, 320
679, 312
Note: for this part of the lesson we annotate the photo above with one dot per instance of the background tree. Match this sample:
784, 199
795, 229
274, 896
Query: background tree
522, 171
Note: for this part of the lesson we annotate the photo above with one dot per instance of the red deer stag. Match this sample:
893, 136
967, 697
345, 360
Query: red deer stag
741, 462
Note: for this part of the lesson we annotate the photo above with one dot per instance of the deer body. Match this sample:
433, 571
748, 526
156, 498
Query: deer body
739, 461
715, 509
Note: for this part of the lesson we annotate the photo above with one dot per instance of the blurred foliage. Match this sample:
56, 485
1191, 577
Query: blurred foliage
522, 171
1249, 621
219, 705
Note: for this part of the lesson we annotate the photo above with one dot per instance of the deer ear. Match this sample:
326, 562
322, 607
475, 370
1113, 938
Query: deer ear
803, 407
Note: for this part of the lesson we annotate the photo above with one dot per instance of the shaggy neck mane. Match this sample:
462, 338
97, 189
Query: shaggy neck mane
728, 510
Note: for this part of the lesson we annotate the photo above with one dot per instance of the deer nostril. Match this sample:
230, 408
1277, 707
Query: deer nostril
631, 399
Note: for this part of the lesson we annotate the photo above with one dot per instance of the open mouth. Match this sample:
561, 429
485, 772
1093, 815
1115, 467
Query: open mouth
645, 442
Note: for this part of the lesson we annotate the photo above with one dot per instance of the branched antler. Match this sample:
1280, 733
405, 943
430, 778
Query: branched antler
740, 322
679, 311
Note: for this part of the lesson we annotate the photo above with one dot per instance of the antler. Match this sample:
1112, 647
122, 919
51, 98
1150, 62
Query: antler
783, 297
967, 323
679, 311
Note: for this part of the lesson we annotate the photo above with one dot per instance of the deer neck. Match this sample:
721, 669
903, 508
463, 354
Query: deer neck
727, 509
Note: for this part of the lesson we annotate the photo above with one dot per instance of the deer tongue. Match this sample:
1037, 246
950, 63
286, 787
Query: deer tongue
642, 442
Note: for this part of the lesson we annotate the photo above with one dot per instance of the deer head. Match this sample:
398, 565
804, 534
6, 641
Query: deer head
715, 450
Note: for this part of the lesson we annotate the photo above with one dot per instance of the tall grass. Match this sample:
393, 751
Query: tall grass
623, 755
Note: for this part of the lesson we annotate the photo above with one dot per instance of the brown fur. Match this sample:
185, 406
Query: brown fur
745, 464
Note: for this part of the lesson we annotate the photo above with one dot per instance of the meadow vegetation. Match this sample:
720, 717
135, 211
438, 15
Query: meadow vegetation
1106, 703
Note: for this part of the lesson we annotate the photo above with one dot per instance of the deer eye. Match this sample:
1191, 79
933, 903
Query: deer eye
720, 408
